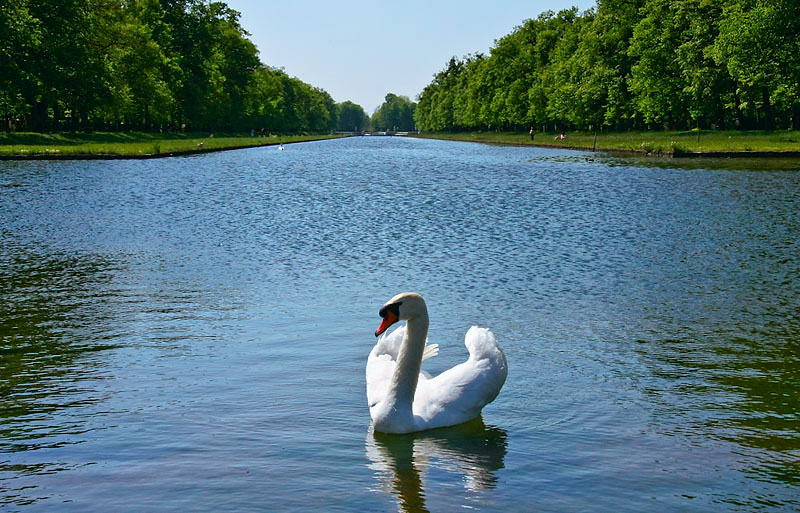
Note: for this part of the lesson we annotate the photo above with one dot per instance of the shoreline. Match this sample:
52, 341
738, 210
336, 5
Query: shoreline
165, 154
650, 144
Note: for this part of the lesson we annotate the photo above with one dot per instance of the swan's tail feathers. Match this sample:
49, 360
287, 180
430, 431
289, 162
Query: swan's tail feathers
430, 351
487, 355
482, 344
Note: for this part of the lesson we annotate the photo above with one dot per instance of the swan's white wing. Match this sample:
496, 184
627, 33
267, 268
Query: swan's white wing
382, 361
380, 366
459, 393
430, 351
390, 343
379, 375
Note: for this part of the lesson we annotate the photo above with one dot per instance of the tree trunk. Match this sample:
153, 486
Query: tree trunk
769, 120
56, 116
38, 116
796, 117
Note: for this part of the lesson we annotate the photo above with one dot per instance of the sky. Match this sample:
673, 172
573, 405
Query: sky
360, 51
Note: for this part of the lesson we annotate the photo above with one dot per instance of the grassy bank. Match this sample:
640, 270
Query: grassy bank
654, 143
130, 144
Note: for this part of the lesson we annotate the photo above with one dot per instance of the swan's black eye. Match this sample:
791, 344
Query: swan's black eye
394, 308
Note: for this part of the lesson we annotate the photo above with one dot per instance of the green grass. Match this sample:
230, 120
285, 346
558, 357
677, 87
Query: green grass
142, 144
653, 143
130, 144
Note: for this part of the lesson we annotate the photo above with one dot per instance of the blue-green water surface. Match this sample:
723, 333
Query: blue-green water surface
190, 334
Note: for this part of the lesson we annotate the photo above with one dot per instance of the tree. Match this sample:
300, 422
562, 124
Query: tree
436, 100
629, 63
59, 70
265, 104
20, 36
139, 71
352, 117
144, 64
603, 65
395, 113
759, 45
676, 82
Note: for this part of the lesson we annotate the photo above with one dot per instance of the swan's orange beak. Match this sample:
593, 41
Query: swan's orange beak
388, 320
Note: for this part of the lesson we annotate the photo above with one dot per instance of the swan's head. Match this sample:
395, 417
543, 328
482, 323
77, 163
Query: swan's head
402, 307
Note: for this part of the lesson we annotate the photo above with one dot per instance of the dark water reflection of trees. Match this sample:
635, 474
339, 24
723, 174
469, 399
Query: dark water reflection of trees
50, 345
735, 384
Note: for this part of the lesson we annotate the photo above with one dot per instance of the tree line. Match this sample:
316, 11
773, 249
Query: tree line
396, 113
630, 64
148, 65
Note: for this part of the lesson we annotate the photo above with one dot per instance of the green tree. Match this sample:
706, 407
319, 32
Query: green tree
435, 101
217, 61
395, 113
61, 73
630, 63
265, 104
759, 45
20, 37
676, 82
144, 64
565, 75
139, 72
352, 117
471, 93
602, 67
656, 82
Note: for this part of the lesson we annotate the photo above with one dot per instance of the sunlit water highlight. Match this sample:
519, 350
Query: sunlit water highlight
191, 333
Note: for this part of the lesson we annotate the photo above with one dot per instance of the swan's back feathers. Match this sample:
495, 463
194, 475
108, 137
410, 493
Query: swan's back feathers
460, 393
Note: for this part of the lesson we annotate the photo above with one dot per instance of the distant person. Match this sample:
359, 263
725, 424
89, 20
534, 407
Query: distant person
532, 133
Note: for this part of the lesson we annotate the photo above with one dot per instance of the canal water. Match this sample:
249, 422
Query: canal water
191, 333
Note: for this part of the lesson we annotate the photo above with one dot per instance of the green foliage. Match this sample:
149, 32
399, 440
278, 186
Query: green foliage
20, 36
759, 45
352, 118
629, 64
144, 65
396, 113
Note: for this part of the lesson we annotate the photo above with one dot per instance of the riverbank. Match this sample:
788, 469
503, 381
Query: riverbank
703, 143
130, 145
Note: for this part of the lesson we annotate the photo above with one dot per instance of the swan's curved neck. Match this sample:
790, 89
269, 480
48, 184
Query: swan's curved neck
409, 362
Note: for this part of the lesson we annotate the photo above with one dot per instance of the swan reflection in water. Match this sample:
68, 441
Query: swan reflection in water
473, 451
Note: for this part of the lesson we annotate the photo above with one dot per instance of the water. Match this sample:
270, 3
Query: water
191, 333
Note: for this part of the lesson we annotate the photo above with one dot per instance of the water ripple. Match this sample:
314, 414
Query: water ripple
207, 320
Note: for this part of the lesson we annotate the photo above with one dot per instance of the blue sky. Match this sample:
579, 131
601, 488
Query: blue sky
359, 51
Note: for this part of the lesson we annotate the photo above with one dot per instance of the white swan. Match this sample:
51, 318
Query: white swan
402, 398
